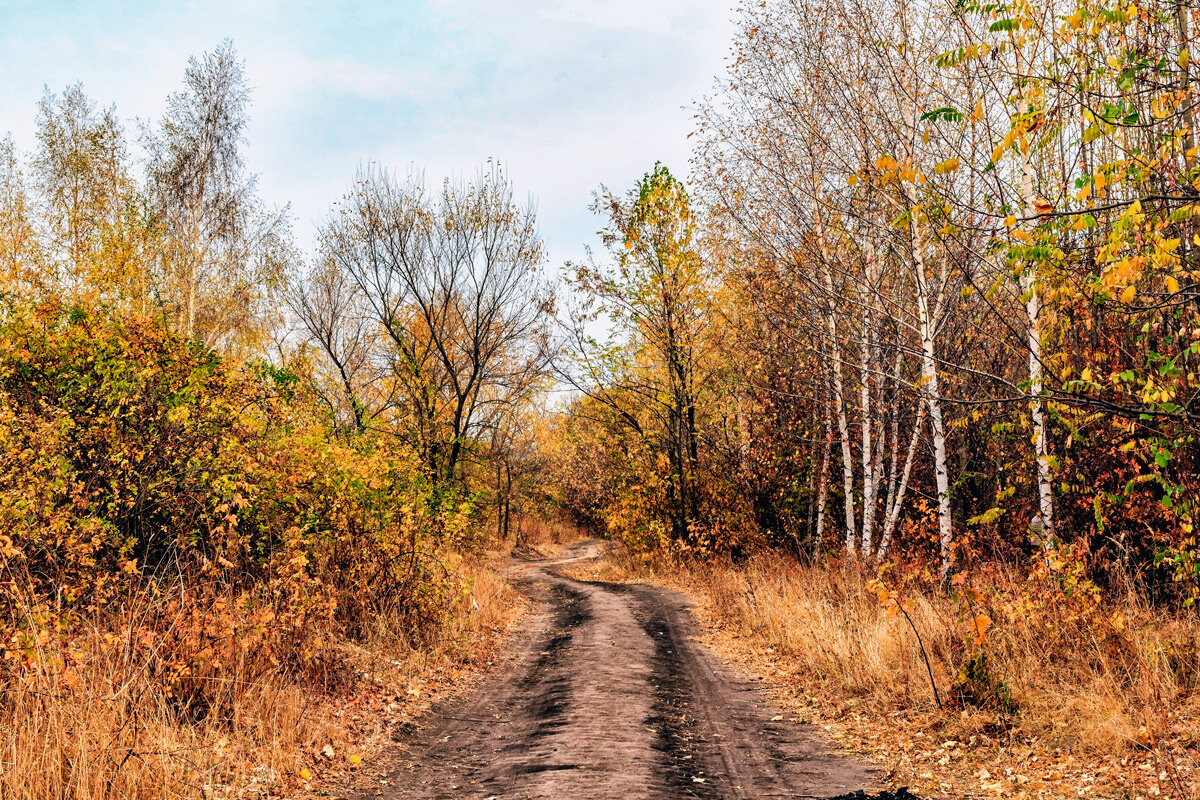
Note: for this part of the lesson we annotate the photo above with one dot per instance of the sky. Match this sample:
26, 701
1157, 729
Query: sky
566, 94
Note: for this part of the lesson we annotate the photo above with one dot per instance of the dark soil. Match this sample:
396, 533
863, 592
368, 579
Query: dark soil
610, 697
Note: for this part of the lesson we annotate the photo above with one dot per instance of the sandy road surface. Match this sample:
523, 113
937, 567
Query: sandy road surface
609, 697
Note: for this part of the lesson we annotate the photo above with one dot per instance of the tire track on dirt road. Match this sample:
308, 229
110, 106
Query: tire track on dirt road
608, 697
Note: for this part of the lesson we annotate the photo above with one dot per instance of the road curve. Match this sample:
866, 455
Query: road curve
611, 697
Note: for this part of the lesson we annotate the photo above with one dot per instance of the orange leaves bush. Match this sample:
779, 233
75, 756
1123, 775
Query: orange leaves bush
200, 509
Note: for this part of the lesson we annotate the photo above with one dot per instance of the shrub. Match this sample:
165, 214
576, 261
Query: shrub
202, 508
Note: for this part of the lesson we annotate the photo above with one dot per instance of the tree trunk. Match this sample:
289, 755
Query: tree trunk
868, 451
1029, 290
823, 482
893, 464
931, 390
897, 503
839, 400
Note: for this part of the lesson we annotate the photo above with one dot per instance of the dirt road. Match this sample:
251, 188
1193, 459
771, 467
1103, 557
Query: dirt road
610, 697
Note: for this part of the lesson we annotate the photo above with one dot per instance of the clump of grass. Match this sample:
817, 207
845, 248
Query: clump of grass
115, 726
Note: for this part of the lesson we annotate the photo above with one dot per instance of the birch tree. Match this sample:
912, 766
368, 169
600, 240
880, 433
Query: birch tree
225, 253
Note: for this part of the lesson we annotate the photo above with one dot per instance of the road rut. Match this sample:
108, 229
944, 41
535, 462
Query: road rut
610, 697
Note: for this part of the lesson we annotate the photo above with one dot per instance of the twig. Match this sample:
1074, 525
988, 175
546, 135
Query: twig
937, 698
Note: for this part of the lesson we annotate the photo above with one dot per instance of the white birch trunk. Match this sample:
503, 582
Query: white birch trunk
930, 386
839, 404
868, 451
897, 503
1033, 302
893, 464
823, 483
839, 400
932, 393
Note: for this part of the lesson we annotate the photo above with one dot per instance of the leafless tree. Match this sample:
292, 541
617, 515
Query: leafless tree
226, 251
451, 283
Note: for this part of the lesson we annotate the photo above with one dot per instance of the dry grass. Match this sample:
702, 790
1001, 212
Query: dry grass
117, 733
532, 534
1103, 680
114, 730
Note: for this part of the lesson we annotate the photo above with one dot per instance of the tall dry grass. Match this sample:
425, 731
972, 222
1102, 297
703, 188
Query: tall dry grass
113, 726
546, 536
101, 717
1096, 677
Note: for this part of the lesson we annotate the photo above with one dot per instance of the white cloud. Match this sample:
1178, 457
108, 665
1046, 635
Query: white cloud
290, 77
568, 94
662, 18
